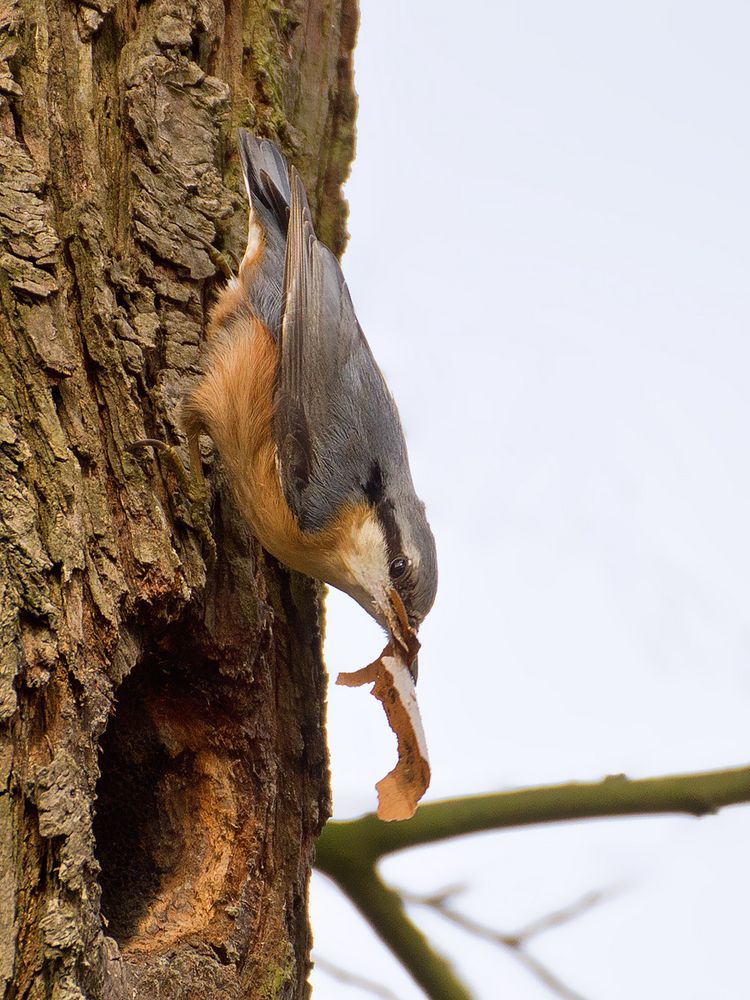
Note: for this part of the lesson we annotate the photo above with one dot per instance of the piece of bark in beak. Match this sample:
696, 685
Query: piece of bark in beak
403, 633
392, 684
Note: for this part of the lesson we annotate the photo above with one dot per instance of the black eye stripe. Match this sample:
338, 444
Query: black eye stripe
374, 487
386, 514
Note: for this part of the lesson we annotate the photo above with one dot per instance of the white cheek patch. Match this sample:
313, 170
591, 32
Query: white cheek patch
366, 557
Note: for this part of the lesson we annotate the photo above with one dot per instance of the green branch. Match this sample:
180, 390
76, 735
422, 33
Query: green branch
348, 852
368, 838
383, 908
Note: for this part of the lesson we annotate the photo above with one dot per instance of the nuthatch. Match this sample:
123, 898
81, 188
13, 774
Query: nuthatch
305, 425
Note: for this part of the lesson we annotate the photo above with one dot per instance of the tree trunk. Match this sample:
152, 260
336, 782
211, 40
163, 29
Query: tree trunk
163, 758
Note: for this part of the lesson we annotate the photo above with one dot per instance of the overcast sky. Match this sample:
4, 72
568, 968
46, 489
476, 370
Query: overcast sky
549, 256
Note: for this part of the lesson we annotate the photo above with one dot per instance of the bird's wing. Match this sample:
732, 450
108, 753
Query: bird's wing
337, 431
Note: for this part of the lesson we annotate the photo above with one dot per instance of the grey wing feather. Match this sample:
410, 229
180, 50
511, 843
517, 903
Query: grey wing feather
336, 426
266, 176
267, 182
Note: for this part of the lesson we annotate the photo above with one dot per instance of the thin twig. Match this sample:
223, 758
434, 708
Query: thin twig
352, 979
546, 976
566, 913
515, 943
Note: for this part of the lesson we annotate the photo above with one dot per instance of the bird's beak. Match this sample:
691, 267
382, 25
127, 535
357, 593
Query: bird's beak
403, 631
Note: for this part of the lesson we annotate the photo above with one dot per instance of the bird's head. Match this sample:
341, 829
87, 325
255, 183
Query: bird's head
390, 567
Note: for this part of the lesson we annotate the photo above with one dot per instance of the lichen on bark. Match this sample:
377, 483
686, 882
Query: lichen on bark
162, 751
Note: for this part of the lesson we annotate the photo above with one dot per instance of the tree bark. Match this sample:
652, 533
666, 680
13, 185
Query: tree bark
163, 758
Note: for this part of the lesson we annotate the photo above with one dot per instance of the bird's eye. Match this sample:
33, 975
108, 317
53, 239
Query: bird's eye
399, 566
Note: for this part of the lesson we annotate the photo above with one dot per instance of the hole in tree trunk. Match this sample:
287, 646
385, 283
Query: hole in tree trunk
169, 826
133, 763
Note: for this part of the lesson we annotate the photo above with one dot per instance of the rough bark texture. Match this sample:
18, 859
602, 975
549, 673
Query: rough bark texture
163, 761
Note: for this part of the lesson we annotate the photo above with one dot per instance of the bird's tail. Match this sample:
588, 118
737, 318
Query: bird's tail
266, 179
267, 182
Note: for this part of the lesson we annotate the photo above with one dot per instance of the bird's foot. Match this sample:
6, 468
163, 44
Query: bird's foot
221, 262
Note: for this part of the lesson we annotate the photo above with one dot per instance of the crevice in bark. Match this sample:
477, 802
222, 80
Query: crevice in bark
112, 137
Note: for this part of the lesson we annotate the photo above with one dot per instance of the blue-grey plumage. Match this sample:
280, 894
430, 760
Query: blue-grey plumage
302, 416
267, 184
337, 429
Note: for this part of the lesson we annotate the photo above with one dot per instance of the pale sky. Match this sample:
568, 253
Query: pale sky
549, 256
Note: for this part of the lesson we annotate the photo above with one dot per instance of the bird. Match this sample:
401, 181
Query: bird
306, 428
